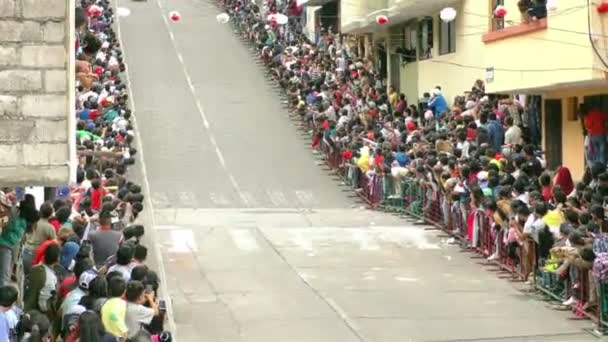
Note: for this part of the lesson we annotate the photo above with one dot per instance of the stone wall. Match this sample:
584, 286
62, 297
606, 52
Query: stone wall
34, 92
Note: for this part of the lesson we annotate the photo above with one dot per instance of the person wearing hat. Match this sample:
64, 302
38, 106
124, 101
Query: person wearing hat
70, 308
438, 103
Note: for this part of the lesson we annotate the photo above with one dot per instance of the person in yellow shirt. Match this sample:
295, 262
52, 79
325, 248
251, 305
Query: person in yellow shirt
114, 311
392, 96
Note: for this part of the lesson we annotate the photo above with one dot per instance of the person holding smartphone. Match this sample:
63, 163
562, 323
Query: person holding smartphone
138, 314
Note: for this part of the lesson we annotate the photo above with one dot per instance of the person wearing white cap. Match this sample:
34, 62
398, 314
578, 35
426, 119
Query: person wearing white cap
438, 103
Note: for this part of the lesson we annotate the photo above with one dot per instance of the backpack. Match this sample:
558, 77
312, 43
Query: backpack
600, 267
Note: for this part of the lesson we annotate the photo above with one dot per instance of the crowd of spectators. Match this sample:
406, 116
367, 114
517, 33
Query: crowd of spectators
74, 269
477, 153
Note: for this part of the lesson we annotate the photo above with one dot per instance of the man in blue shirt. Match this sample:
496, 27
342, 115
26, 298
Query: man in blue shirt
438, 103
496, 132
402, 158
8, 298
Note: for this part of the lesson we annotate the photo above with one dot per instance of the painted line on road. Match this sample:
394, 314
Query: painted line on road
220, 157
146, 183
235, 185
244, 240
199, 106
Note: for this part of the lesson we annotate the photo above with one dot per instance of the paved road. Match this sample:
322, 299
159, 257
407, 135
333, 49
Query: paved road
258, 242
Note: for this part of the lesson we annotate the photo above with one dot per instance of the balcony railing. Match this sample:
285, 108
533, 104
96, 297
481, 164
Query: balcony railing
516, 30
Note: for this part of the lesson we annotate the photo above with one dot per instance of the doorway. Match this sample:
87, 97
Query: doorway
553, 133
396, 72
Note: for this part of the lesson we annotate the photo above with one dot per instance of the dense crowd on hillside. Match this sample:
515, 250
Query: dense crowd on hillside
75, 268
478, 153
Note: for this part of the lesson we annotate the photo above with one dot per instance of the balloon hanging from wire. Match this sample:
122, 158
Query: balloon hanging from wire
447, 14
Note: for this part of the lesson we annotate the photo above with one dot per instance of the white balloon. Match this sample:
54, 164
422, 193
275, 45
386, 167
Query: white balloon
281, 19
551, 5
222, 18
447, 14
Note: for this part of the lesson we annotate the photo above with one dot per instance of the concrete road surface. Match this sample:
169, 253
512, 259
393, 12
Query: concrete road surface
258, 243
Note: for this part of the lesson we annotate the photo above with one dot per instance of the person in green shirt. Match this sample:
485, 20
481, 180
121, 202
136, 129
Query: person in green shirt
12, 233
110, 115
82, 133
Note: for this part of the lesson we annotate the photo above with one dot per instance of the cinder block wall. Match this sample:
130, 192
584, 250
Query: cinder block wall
34, 89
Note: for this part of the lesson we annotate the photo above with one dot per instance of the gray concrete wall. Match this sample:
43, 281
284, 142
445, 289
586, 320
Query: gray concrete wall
34, 92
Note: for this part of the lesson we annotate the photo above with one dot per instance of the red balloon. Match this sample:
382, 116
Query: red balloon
382, 20
174, 16
500, 11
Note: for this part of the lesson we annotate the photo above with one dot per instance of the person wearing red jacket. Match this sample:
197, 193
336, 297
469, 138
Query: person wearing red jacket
595, 123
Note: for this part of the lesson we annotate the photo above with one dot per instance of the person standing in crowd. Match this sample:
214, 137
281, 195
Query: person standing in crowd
105, 240
8, 298
42, 284
20, 218
438, 103
40, 232
595, 125
513, 135
124, 261
89, 329
141, 307
114, 311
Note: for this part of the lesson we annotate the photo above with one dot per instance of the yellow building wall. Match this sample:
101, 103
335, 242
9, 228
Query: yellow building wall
351, 11
521, 62
409, 77
572, 135
357, 11
454, 72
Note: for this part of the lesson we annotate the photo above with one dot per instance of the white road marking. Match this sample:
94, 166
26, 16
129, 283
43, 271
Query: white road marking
307, 276
160, 199
305, 197
220, 157
406, 279
146, 183
366, 242
244, 240
366, 238
302, 242
248, 198
218, 199
277, 198
187, 199
123, 12
182, 241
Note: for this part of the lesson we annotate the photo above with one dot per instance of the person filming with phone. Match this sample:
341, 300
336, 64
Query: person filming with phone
141, 307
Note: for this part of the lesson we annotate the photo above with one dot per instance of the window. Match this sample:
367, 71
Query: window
425, 35
447, 37
496, 23
410, 42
